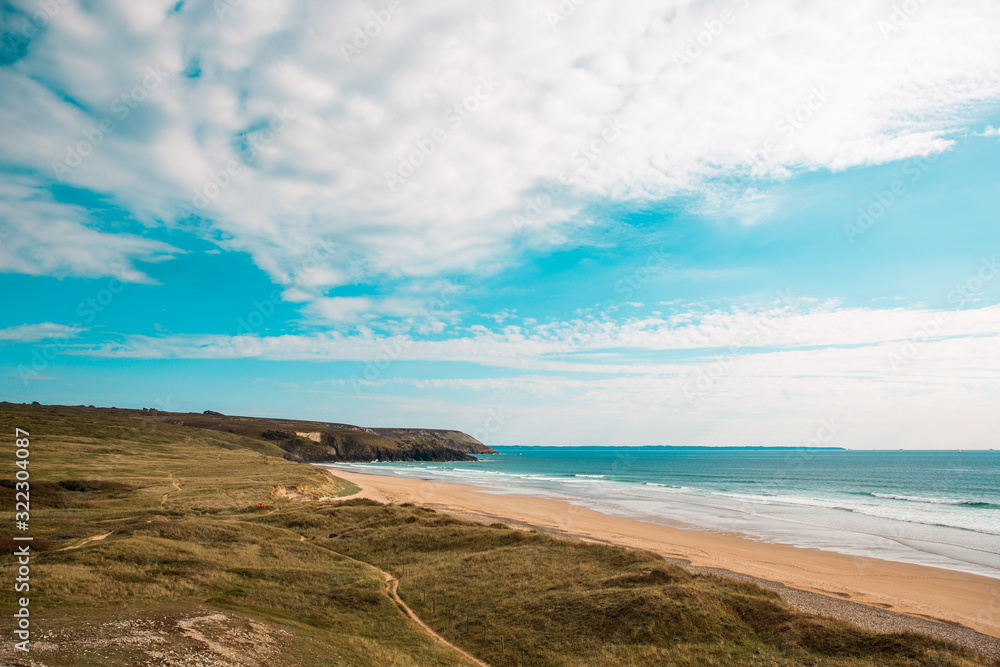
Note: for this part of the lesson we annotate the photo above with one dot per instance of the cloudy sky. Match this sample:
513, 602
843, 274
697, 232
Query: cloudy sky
739, 222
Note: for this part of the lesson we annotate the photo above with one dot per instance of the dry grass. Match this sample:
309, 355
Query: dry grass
194, 573
570, 603
179, 504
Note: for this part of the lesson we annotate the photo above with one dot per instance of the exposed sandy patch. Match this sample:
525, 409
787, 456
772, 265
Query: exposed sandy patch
292, 493
189, 628
315, 436
175, 483
95, 538
200, 637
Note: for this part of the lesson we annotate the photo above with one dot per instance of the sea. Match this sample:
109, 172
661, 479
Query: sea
936, 508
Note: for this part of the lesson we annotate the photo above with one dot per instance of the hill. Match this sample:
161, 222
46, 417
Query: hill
456, 440
318, 442
150, 548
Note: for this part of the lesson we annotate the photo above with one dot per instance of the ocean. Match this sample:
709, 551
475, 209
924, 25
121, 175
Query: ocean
938, 508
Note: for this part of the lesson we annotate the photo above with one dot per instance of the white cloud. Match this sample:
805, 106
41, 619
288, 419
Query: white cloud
40, 236
32, 333
875, 96
891, 377
592, 345
942, 396
341, 309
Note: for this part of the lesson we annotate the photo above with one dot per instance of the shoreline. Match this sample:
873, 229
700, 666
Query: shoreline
870, 592
952, 528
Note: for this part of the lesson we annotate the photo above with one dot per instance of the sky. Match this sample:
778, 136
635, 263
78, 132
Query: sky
742, 222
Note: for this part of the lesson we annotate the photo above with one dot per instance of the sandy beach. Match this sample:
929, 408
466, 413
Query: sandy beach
960, 601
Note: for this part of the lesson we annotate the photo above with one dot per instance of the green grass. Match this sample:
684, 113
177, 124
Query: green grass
570, 603
188, 541
193, 545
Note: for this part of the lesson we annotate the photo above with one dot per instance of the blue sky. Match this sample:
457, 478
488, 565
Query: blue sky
536, 227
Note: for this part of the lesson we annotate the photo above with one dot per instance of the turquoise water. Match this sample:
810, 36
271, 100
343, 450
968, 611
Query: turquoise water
939, 508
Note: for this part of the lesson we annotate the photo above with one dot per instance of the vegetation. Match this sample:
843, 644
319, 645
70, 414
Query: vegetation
189, 570
309, 441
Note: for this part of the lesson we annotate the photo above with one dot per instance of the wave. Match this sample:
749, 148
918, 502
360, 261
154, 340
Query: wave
672, 488
935, 501
783, 500
928, 516
982, 525
951, 513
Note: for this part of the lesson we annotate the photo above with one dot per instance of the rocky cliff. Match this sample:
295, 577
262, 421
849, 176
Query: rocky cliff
456, 440
320, 442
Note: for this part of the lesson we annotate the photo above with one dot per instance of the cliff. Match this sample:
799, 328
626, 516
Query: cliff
322, 442
456, 440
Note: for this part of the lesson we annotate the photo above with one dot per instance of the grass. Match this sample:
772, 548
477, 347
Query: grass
189, 548
180, 504
570, 603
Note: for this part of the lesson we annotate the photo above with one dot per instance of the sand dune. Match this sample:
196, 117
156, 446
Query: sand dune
924, 592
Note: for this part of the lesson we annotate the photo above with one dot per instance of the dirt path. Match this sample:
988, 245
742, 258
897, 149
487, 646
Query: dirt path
392, 586
95, 538
175, 483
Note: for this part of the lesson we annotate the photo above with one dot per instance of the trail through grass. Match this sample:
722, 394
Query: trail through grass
151, 548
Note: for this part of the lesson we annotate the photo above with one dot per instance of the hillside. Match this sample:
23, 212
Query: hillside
150, 548
319, 442
456, 440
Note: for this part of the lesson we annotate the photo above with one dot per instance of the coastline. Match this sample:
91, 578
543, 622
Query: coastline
930, 596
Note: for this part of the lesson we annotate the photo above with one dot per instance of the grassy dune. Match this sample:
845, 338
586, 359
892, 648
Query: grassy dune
183, 546
193, 572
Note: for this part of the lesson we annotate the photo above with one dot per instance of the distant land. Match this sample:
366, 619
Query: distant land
783, 448
314, 441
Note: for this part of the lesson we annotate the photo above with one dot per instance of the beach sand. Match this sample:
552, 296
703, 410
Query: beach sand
935, 601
